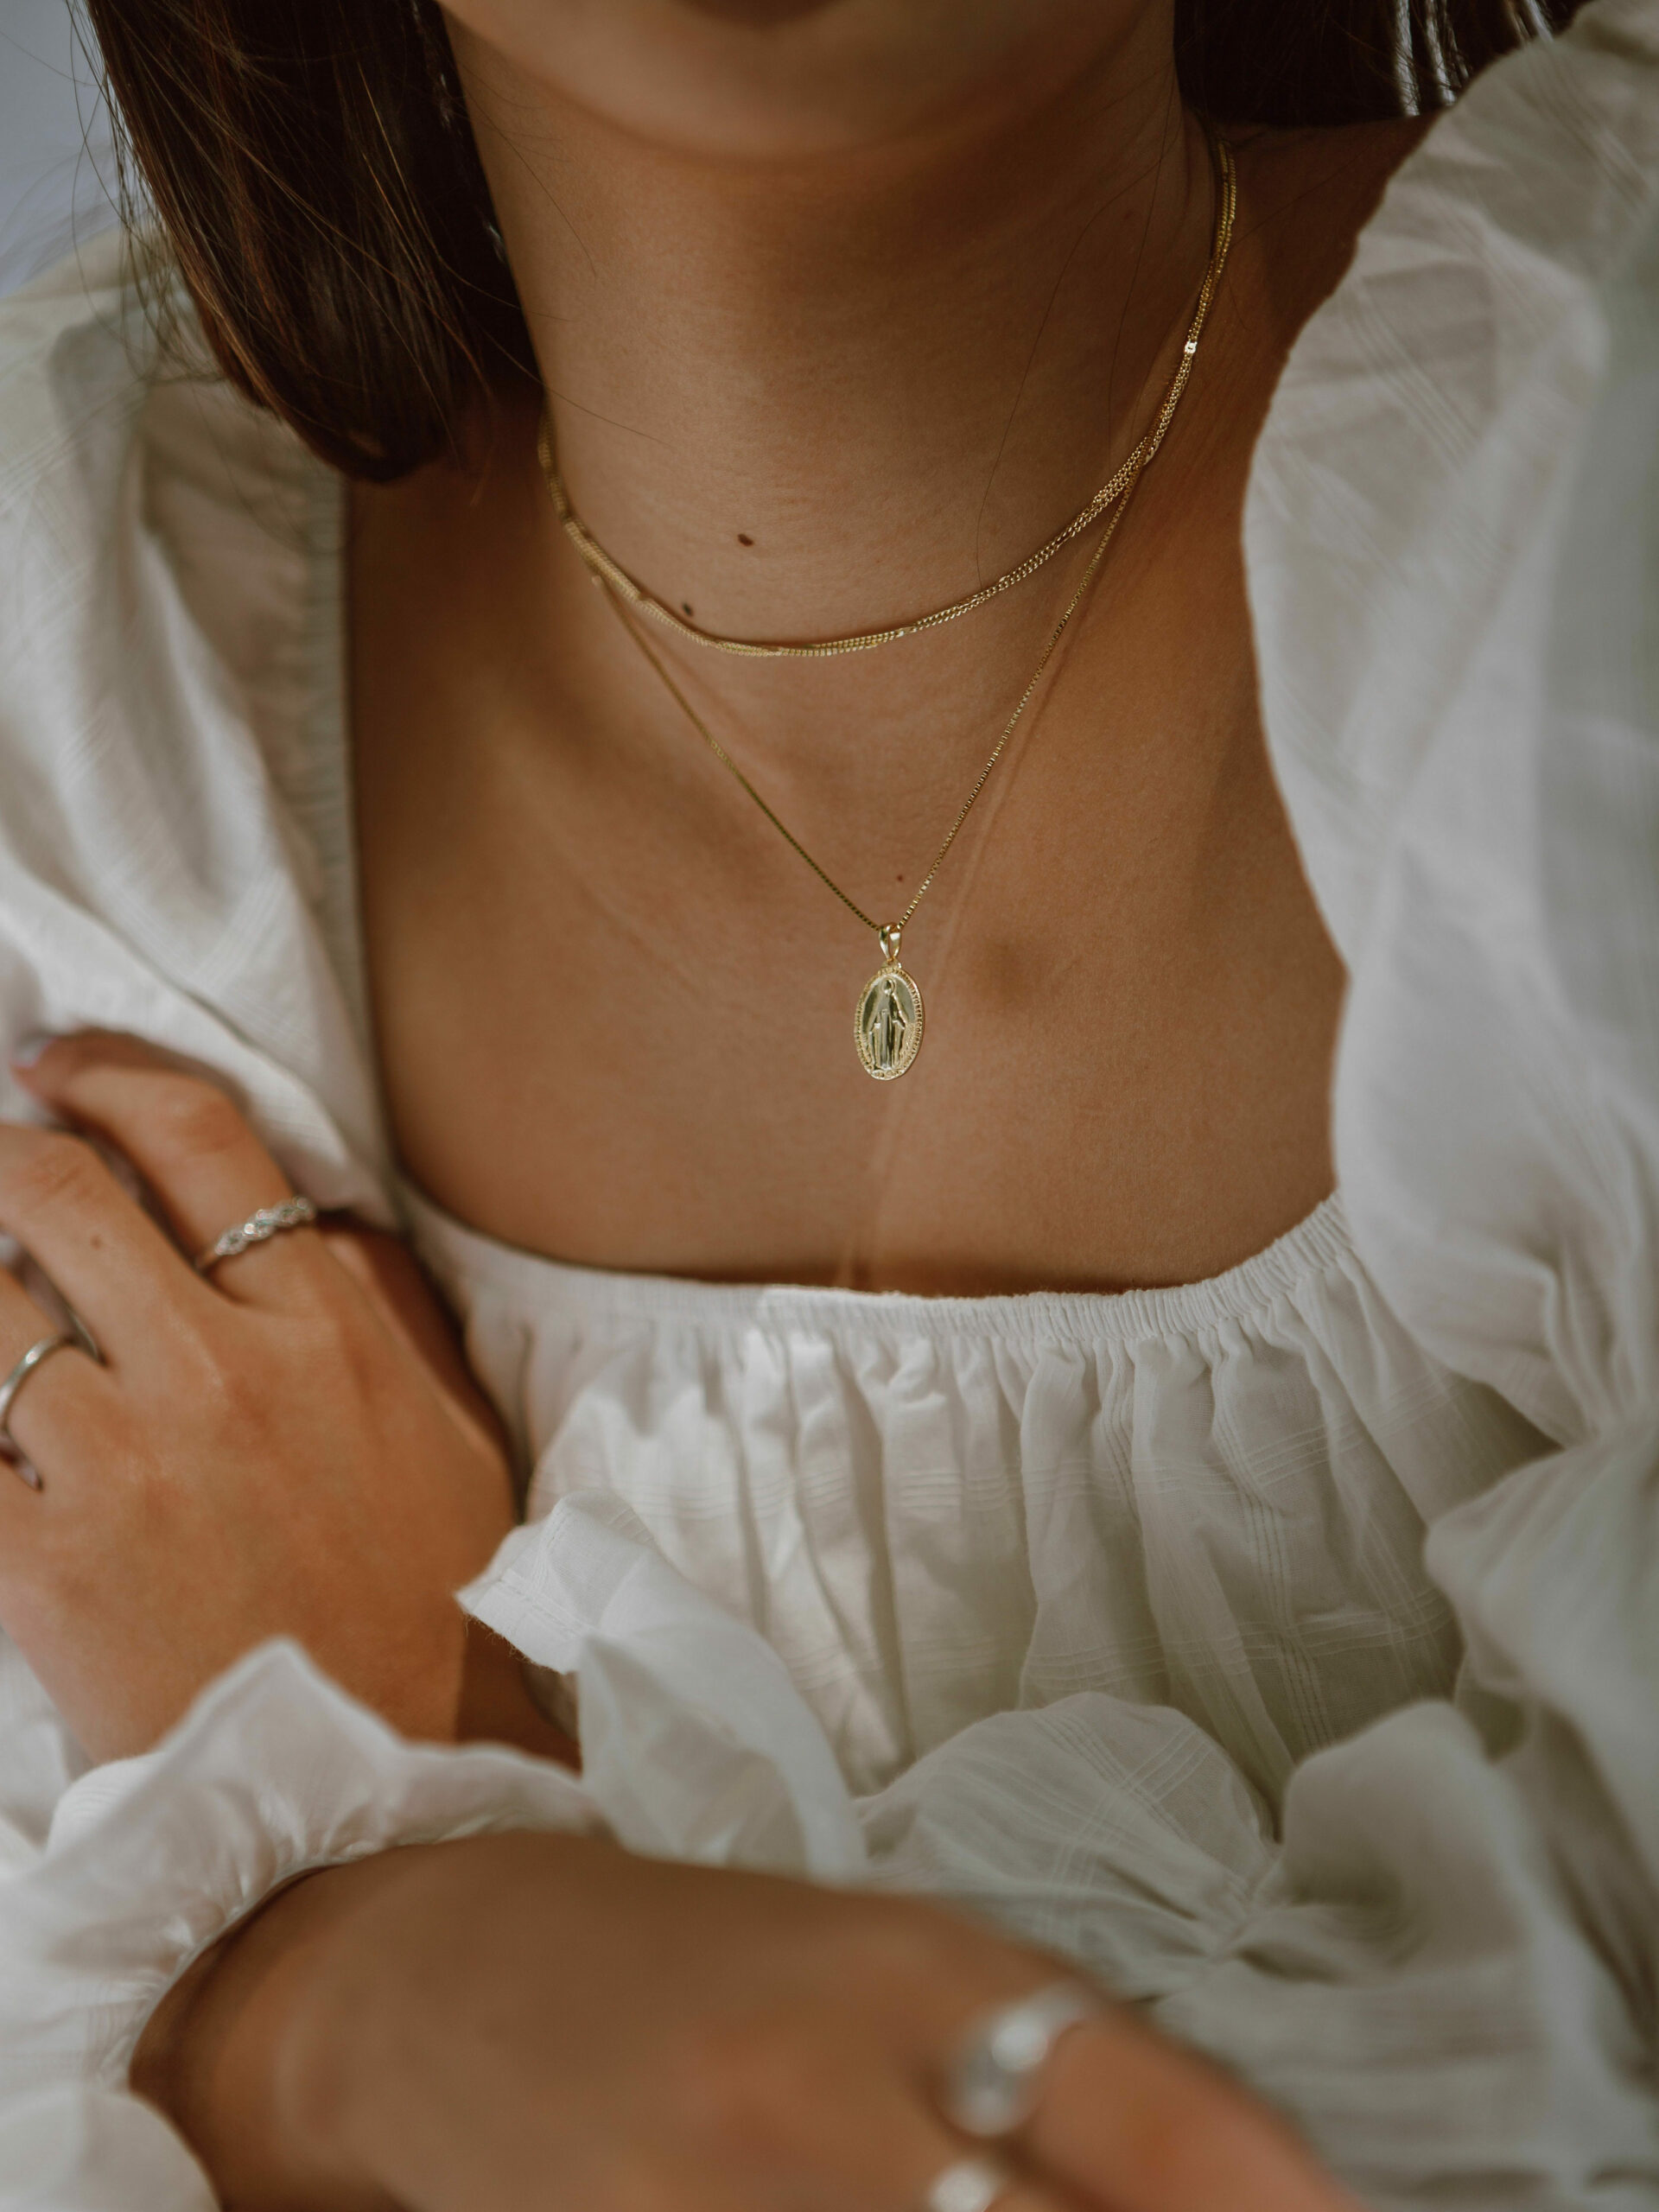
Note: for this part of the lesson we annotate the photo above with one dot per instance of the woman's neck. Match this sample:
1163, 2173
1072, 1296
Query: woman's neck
804, 398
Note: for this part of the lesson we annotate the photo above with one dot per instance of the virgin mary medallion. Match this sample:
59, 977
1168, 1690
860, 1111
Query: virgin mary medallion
887, 1027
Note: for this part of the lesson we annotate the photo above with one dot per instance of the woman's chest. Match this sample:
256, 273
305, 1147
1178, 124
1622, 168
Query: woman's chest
616, 1011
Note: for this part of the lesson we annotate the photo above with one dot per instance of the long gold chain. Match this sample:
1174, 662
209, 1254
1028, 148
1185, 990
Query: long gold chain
604, 569
889, 931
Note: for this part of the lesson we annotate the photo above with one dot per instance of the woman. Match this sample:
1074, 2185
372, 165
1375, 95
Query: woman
1043, 1548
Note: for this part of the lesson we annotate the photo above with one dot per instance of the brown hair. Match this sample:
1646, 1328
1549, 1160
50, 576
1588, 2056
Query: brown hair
315, 171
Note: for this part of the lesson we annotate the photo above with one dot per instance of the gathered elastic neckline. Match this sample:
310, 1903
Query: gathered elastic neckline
1319, 1243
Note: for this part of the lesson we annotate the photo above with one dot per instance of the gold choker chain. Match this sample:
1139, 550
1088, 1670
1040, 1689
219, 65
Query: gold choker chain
605, 569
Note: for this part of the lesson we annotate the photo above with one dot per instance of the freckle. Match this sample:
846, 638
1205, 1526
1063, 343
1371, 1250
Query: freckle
743, 538
685, 607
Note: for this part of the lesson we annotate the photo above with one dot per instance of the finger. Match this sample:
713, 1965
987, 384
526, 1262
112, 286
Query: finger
936, 2170
102, 1252
51, 1404
1138, 2123
871, 2143
193, 1147
970, 2178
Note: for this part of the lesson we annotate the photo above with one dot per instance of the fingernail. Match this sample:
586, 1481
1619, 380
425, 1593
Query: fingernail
24, 1055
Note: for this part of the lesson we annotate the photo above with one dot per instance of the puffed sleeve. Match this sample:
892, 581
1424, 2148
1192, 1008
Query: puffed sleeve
175, 861
1449, 1974
176, 843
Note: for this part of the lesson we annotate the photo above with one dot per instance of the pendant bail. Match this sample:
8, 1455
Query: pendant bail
887, 938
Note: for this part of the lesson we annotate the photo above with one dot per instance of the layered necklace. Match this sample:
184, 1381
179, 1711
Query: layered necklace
888, 1018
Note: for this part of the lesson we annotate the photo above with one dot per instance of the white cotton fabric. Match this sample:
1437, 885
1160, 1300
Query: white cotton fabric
1285, 1648
1210, 1498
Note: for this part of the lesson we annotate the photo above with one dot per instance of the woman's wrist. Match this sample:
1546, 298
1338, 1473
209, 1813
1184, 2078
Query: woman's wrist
498, 1705
252, 2055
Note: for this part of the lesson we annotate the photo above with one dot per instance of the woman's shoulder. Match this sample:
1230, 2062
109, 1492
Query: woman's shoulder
1310, 191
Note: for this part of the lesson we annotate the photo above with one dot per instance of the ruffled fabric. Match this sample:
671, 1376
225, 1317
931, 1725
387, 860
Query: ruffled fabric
1212, 1499
76, 2148
1117, 1831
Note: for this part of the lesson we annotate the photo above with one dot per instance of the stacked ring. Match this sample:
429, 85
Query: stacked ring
264, 1222
971, 2184
992, 2083
38, 1352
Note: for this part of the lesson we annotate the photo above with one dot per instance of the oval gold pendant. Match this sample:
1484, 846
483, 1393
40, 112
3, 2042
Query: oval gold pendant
887, 1027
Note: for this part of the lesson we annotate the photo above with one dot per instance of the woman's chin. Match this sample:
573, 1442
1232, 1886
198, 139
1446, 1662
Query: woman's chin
773, 80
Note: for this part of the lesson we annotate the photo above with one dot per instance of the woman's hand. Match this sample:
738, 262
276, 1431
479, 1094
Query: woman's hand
288, 1446
518, 2023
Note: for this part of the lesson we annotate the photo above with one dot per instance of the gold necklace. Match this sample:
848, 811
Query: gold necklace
603, 568
888, 1019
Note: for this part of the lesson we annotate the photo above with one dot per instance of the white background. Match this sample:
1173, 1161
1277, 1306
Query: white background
56, 171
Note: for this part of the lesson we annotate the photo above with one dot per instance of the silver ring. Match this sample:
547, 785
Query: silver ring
34, 1357
992, 2083
265, 1222
971, 2184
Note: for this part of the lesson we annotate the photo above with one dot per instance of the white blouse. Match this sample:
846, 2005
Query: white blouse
1285, 1648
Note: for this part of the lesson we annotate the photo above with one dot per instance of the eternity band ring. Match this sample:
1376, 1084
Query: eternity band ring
263, 1223
971, 2184
37, 1354
992, 2083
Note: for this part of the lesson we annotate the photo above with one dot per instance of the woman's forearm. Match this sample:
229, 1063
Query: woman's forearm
462, 2025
